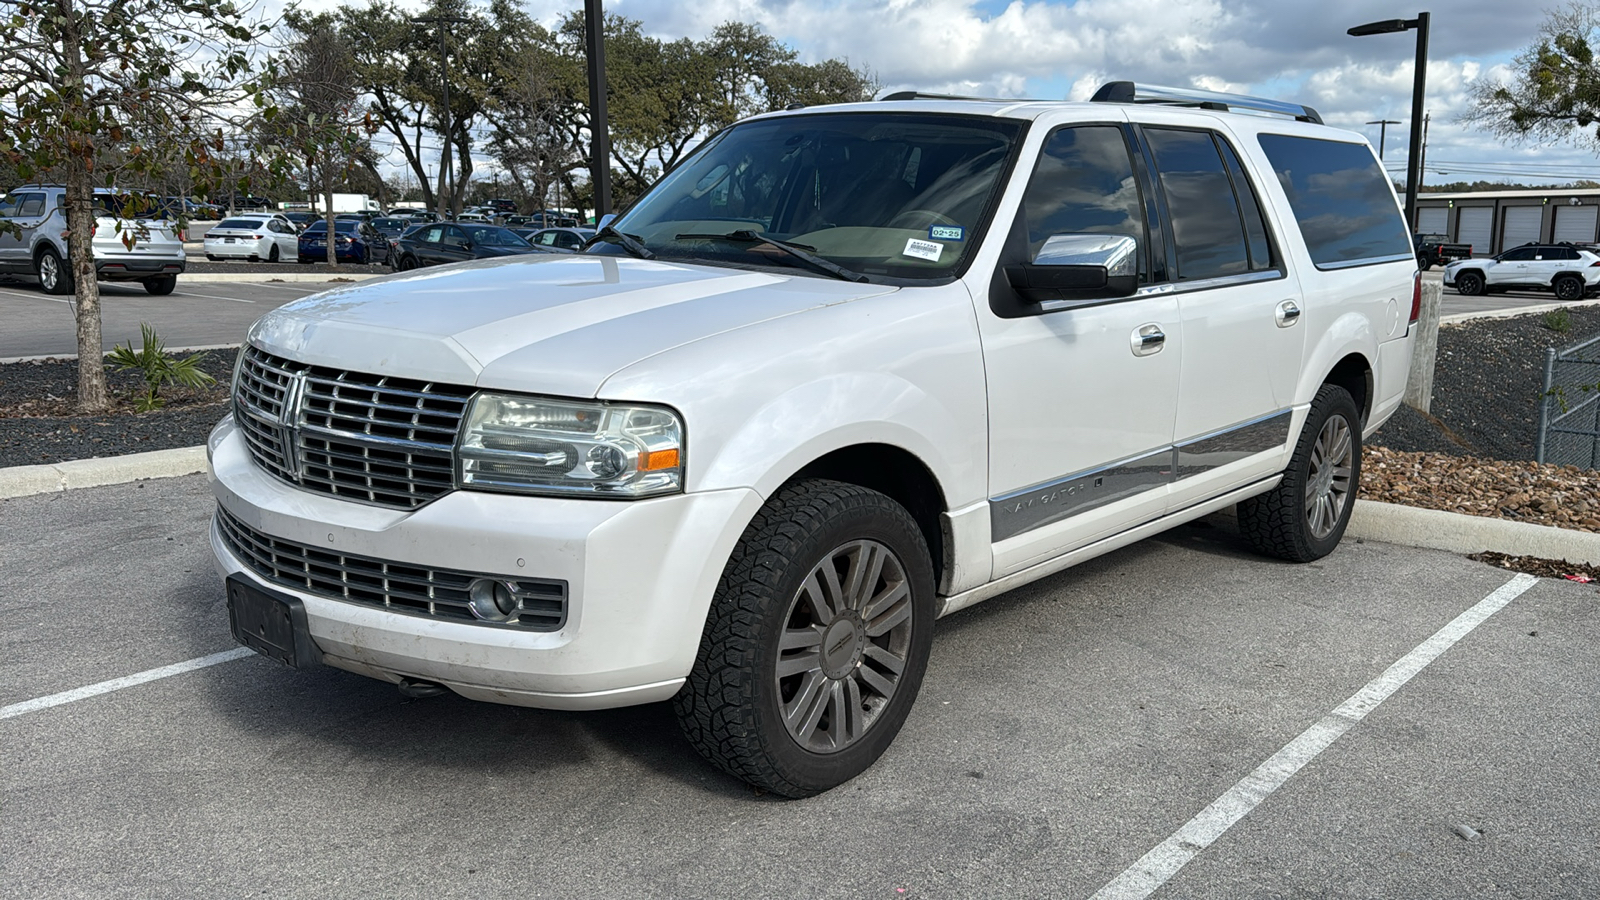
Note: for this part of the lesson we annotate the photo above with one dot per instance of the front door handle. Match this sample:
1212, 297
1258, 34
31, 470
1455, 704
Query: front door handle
1288, 313
1148, 339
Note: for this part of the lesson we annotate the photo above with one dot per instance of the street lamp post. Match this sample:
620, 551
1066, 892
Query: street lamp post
447, 130
1383, 129
1418, 89
599, 127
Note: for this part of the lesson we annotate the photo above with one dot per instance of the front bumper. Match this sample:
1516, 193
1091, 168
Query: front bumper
639, 576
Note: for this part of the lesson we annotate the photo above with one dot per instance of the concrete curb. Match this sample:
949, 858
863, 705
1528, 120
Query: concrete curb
1439, 530
1371, 521
266, 277
1456, 318
23, 481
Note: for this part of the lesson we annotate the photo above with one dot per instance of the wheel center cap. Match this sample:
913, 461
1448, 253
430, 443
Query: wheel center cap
841, 647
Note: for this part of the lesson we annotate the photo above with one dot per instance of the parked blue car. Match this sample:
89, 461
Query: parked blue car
354, 241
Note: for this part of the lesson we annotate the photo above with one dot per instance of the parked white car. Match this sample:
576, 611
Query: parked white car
1571, 273
844, 370
253, 237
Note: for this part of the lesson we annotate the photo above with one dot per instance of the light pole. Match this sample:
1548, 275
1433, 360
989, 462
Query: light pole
444, 63
1418, 89
1383, 129
599, 129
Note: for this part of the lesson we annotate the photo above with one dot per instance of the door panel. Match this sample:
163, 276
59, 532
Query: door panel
1080, 405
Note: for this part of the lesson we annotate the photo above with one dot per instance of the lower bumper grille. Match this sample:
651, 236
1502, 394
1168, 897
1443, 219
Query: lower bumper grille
417, 590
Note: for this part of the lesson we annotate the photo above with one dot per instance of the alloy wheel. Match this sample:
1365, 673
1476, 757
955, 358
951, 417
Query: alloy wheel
844, 646
1328, 482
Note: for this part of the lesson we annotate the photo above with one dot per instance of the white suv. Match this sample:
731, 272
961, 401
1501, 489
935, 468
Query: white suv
1571, 273
128, 242
843, 371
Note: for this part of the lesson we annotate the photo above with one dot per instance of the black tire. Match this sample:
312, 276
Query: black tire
1285, 522
54, 275
1568, 287
273, 256
407, 263
1470, 284
211, 258
161, 285
731, 708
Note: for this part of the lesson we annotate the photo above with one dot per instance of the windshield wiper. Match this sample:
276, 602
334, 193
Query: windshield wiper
798, 251
625, 241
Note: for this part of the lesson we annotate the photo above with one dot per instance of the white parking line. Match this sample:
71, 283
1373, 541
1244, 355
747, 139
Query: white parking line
35, 296
1157, 867
117, 684
210, 296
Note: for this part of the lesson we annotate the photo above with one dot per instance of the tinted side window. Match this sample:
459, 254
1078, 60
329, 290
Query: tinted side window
1207, 231
31, 205
1521, 254
431, 235
1342, 201
1256, 234
1568, 253
1084, 184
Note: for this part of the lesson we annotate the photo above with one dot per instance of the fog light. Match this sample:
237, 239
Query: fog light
491, 601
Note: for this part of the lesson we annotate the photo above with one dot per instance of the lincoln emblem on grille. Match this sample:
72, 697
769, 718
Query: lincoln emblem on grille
289, 418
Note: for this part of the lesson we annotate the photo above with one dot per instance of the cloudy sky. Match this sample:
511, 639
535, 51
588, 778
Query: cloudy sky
1289, 49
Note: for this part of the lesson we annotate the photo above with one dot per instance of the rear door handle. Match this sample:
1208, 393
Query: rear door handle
1148, 339
1288, 313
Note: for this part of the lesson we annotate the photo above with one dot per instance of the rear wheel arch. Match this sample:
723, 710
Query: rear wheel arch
1354, 374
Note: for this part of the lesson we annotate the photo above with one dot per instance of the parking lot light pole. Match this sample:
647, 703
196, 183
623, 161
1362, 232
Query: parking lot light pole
1418, 89
599, 127
1383, 130
444, 63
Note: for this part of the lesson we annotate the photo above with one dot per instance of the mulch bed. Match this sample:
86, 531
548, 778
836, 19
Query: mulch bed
39, 421
1563, 496
1544, 568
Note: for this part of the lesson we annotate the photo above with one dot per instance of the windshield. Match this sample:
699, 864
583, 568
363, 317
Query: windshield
884, 194
493, 236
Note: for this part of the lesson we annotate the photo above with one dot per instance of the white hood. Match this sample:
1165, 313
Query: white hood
542, 323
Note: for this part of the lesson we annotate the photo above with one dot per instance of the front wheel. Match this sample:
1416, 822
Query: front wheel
407, 263
816, 641
1303, 518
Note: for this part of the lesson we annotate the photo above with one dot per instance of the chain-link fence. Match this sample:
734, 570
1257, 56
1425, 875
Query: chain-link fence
1569, 416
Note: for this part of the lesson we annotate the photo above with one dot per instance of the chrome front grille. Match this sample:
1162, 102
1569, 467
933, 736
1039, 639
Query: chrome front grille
439, 593
375, 439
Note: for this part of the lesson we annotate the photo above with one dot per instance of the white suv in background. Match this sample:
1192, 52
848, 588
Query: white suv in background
129, 242
843, 371
1570, 272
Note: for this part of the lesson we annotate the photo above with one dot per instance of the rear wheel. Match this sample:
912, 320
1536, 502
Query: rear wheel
1303, 518
1568, 287
53, 274
816, 642
273, 255
161, 285
1470, 284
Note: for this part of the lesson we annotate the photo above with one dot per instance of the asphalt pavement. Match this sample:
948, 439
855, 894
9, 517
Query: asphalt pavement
1065, 731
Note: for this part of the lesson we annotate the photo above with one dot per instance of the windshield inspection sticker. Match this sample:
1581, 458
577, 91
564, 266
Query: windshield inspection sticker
921, 249
947, 233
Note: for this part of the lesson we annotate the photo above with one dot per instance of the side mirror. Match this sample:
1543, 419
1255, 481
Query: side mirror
605, 220
1079, 267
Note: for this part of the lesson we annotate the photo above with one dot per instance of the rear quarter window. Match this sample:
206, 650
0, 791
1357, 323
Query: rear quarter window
1342, 201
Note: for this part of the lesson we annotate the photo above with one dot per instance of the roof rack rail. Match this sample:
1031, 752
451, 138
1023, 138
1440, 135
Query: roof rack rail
1128, 92
919, 95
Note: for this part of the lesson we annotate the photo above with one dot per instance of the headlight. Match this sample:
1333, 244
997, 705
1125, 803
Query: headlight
534, 445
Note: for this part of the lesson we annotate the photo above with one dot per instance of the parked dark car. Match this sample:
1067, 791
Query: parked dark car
302, 218
391, 227
444, 242
354, 241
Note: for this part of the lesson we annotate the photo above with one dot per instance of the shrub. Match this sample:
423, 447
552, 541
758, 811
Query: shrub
157, 368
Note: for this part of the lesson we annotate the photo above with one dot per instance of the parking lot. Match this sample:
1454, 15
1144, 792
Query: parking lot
1064, 732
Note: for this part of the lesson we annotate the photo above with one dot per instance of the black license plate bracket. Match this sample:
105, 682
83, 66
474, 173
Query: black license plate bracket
272, 624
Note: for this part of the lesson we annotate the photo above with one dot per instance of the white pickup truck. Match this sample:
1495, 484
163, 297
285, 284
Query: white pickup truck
843, 371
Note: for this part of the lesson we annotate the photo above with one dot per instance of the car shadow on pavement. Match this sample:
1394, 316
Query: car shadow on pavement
326, 716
